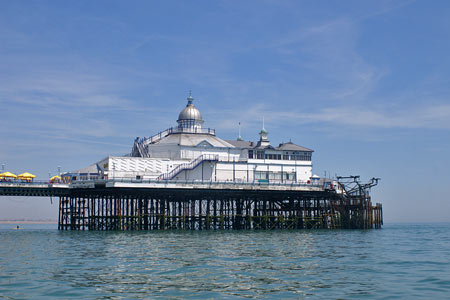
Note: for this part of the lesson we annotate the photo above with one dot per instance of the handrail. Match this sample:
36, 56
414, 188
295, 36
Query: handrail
204, 182
188, 166
166, 184
158, 136
28, 183
164, 133
140, 151
191, 181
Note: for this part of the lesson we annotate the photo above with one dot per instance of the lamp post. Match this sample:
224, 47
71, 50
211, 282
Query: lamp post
3, 168
59, 170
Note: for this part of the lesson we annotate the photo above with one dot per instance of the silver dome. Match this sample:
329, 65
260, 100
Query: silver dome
190, 112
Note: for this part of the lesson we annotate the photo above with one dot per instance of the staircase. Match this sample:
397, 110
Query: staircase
139, 149
188, 166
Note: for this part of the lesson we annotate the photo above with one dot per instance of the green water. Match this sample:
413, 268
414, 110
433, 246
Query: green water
398, 262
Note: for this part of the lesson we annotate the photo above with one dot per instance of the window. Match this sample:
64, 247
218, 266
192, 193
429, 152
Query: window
264, 175
250, 153
289, 176
304, 156
260, 154
261, 175
274, 176
273, 156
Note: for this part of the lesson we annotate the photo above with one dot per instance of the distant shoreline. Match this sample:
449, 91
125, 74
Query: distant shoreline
27, 222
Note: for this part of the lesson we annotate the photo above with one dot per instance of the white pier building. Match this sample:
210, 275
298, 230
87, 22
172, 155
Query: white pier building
190, 152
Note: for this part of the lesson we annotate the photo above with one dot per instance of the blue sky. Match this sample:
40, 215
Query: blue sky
365, 84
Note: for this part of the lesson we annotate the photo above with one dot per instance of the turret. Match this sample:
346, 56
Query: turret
190, 118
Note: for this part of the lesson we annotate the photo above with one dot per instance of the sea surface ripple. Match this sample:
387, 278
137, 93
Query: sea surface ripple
400, 261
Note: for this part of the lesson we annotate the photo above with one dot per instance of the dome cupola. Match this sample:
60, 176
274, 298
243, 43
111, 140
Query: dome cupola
190, 117
263, 139
263, 133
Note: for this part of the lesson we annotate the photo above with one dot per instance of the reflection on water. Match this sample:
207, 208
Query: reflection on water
397, 261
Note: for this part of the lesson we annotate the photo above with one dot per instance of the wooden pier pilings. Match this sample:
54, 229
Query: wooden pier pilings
136, 209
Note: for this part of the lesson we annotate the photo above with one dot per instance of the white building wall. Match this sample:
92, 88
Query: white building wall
138, 167
168, 151
191, 153
203, 172
244, 172
233, 165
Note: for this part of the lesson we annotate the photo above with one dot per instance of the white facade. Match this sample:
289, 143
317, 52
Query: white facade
190, 152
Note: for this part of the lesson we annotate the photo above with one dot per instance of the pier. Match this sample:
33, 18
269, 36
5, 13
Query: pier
187, 178
166, 205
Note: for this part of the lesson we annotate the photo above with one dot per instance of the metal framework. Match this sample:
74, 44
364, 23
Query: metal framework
99, 206
214, 210
356, 191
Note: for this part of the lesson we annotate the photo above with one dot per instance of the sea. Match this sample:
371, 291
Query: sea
400, 261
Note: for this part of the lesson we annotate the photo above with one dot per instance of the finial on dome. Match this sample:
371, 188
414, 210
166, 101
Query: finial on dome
263, 130
263, 133
190, 99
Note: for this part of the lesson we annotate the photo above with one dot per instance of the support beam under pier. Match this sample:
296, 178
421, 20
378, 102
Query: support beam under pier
214, 210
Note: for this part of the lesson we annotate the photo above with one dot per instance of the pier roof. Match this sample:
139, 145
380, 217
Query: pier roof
186, 139
283, 146
92, 169
290, 146
241, 144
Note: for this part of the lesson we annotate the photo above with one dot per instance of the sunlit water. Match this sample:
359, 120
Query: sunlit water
397, 262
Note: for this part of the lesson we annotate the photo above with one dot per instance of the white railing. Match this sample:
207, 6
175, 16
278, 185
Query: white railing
139, 149
188, 166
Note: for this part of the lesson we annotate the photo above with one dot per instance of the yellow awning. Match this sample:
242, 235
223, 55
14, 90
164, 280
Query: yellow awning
55, 177
26, 175
8, 175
